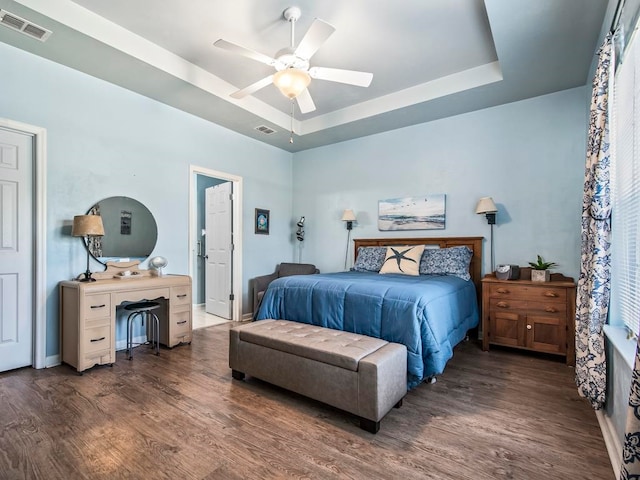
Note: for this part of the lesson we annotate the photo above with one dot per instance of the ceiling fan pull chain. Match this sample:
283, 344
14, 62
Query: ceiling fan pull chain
291, 137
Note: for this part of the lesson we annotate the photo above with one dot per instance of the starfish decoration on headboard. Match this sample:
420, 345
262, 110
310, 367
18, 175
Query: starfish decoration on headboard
398, 256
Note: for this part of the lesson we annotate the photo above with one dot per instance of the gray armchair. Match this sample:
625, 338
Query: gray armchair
259, 284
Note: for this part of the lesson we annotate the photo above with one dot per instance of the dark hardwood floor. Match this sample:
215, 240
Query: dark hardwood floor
496, 415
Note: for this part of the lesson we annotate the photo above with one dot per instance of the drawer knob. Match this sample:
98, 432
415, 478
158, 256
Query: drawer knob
182, 295
529, 327
550, 294
98, 306
550, 310
182, 322
502, 304
98, 339
502, 290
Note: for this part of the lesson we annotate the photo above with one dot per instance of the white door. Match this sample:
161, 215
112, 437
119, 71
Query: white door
219, 238
16, 250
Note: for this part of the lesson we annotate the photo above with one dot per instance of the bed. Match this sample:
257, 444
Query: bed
428, 313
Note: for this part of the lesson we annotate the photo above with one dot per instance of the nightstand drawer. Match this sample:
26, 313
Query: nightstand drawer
525, 306
521, 292
507, 304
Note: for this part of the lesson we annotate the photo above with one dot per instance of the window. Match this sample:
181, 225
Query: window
625, 188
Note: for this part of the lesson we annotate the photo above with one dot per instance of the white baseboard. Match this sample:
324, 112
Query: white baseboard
247, 317
122, 344
611, 441
52, 361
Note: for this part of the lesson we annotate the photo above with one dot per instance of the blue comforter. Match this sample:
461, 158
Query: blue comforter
429, 314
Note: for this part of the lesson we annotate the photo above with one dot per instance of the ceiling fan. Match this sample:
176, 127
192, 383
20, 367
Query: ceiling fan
293, 72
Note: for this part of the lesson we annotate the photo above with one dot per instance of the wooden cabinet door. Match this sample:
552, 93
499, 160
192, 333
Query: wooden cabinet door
546, 333
507, 328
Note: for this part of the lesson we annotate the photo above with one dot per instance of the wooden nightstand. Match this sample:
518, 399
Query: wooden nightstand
536, 316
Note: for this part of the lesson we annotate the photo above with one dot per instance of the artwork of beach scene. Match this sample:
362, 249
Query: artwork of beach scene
412, 213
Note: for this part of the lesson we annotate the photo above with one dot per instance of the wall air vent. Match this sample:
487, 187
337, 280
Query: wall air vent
266, 130
23, 26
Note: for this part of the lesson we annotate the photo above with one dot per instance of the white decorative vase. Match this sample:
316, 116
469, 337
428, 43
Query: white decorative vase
540, 275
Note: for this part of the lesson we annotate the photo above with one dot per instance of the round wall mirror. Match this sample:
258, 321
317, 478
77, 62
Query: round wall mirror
130, 231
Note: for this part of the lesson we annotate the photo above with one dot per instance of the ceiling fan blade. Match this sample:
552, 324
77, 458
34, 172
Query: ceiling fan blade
351, 77
318, 33
254, 87
245, 52
305, 102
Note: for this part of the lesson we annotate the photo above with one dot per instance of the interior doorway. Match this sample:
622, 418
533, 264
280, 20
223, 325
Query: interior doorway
218, 240
23, 322
200, 180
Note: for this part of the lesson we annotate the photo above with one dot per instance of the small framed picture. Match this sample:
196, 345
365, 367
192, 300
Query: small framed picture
125, 223
262, 221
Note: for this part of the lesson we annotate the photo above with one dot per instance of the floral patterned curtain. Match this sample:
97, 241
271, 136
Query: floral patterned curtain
592, 302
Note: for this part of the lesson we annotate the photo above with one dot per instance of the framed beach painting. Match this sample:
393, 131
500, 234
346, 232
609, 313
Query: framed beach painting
412, 213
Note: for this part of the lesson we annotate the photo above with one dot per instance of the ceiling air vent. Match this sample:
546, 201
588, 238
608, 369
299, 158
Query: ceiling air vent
266, 130
23, 26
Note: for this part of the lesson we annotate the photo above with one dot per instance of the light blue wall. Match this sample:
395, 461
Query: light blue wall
529, 156
103, 141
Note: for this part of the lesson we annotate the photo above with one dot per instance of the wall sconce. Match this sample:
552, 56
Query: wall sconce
300, 237
349, 217
488, 207
87, 226
300, 231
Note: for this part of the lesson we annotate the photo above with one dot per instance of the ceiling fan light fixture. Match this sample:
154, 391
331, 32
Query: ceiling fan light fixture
291, 81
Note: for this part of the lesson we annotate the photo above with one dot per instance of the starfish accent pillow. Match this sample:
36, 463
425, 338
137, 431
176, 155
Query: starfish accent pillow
403, 260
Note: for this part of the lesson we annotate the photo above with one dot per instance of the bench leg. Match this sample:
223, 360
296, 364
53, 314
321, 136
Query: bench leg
369, 425
399, 404
237, 375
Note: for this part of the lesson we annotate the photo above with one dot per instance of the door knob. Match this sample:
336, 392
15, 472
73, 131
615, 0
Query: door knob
529, 327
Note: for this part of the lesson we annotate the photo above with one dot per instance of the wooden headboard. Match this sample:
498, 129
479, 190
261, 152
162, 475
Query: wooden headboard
474, 243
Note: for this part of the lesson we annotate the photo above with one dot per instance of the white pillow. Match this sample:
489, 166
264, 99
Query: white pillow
404, 260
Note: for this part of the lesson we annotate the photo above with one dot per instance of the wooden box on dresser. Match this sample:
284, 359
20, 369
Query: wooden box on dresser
536, 316
88, 314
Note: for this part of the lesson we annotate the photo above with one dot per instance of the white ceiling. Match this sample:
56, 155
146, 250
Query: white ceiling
429, 58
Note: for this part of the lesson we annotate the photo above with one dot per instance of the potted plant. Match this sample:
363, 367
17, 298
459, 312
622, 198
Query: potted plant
540, 272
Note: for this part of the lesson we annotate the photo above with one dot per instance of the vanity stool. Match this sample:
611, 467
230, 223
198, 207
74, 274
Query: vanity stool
143, 310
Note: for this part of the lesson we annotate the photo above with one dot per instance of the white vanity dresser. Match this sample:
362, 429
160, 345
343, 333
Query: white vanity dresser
88, 311
88, 308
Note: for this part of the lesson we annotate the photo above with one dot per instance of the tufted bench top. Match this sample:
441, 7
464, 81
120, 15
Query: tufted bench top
334, 347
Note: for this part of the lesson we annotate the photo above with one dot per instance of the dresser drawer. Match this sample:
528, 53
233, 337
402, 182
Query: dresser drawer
101, 357
525, 306
181, 323
180, 328
96, 339
181, 295
97, 306
526, 292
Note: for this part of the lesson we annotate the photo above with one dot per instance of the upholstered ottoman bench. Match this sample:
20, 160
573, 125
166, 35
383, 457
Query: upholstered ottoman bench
362, 375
